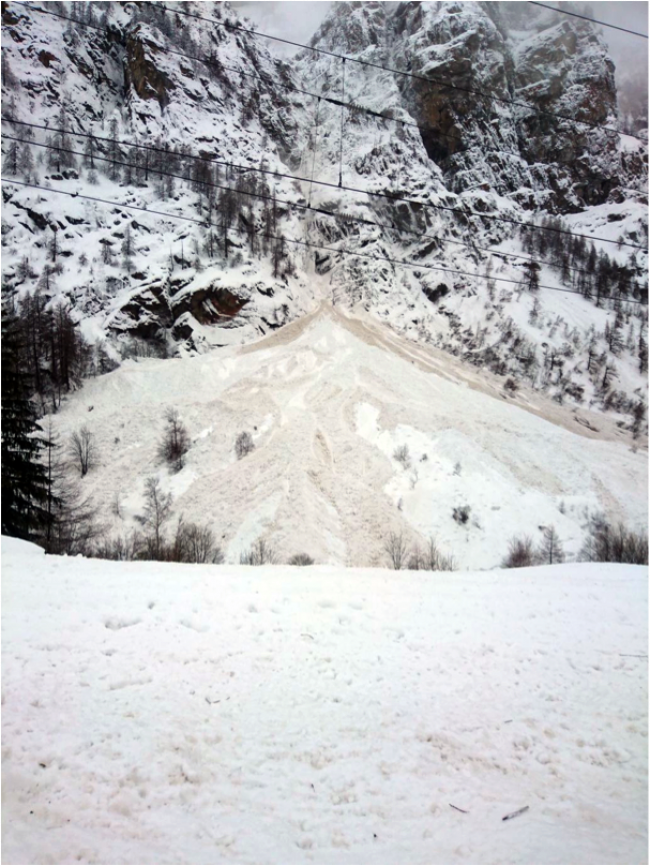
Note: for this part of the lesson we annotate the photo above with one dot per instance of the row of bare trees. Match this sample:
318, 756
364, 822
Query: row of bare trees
604, 543
402, 555
186, 542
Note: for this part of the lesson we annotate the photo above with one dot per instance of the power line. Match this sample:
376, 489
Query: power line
319, 211
373, 194
281, 239
402, 72
296, 205
333, 101
212, 62
593, 20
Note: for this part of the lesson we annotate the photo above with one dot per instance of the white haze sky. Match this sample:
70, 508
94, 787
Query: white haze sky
298, 21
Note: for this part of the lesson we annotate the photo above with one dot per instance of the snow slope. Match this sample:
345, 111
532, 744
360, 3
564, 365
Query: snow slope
160, 714
328, 400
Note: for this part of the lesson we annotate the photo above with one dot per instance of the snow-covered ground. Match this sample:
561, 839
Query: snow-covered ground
199, 714
328, 401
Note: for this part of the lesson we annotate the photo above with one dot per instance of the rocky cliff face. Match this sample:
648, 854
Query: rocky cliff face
202, 100
124, 79
558, 67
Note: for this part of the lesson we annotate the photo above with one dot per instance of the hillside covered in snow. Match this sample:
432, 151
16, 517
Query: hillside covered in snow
211, 171
375, 260
356, 433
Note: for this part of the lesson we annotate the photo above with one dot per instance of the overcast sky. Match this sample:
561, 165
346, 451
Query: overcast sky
298, 21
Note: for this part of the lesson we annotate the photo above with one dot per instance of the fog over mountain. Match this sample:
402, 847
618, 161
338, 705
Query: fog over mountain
299, 21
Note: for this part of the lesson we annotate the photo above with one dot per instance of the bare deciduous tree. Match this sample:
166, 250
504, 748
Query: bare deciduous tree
201, 546
520, 553
83, 450
550, 551
122, 548
176, 441
157, 511
606, 543
193, 544
430, 559
261, 553
396, 548
116, 504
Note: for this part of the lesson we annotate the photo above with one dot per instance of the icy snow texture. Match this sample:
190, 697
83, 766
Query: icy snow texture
160, 714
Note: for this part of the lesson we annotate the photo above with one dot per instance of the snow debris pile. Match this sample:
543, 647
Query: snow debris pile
328, 402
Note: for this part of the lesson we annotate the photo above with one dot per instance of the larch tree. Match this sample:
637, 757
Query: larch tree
550, 551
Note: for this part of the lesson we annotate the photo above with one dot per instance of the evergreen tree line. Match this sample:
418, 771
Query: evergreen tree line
44, 357
225, 197
594, 274
49, 349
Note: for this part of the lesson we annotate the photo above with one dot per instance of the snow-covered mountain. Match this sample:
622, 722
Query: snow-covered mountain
491, 157
127, 81
236, 266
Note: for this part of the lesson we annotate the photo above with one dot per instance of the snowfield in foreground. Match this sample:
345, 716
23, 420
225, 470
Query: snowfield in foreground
193, 714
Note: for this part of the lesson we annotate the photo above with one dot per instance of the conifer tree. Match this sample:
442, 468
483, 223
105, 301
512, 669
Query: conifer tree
24, 480
26, 163
11, 160
643, 354
551, 551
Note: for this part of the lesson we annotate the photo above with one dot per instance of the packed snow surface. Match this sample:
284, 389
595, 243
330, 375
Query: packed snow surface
211, 714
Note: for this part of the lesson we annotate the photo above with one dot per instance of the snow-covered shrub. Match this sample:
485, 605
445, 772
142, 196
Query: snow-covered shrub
461, 514
403, 456
244, 444
521, 553
301, 560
